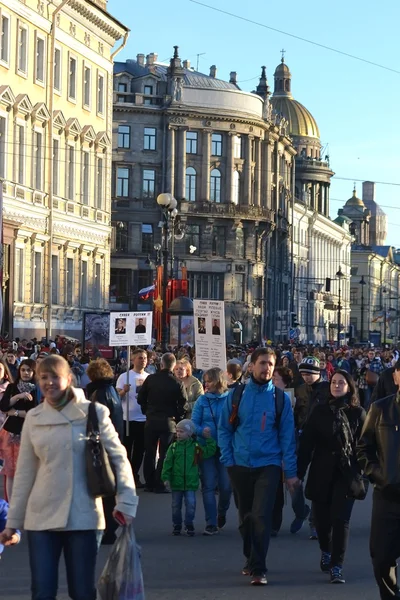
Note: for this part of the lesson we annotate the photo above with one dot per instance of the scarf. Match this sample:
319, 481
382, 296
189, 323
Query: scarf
25, 386
63, 400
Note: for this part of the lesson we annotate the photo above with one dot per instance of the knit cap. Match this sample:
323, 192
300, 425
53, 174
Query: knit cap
310, 364
187, 425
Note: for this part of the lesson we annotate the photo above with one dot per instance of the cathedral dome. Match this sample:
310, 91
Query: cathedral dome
354, 201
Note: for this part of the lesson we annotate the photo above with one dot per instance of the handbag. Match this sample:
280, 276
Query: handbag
100, 476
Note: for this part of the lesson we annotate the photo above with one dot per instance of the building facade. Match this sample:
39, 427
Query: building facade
56, 62
227, 158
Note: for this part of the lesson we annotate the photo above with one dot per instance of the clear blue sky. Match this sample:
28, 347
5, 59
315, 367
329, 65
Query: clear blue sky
356, 105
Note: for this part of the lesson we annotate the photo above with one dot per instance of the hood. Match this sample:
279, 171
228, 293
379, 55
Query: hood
212, 396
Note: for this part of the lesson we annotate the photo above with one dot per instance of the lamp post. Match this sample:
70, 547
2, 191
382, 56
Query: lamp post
362, 283
339, 276
168, 205
384, 291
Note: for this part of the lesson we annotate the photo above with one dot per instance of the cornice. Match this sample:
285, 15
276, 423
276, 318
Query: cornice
83, 235
99, 18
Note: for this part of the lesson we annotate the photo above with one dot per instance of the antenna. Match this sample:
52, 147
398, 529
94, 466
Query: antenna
198, 59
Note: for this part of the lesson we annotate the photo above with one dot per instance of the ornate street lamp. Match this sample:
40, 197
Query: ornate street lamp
339, 276
362, 283
168, 206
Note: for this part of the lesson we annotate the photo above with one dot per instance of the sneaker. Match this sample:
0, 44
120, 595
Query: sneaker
176, 530
325, 562
221, 521
259, 579
210, 530
298, 523
246, 569
313, 534
337, 575
189, 530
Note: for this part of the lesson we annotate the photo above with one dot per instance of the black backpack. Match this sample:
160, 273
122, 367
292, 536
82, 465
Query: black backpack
237, 398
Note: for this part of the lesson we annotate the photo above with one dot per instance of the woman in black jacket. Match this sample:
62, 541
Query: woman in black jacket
328, 442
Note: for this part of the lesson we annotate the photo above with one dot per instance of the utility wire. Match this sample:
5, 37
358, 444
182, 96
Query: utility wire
297, 37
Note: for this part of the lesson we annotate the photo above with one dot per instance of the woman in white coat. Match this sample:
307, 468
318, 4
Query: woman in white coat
50, 496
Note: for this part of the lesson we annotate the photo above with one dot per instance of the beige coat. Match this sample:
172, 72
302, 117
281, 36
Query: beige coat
50, 486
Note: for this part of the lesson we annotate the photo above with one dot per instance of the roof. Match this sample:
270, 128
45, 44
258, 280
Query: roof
382, 250
301, 121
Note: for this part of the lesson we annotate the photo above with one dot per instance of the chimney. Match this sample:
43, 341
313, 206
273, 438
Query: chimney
368, 191
233, 77
140, 59
186, 64
150, 59
213, 71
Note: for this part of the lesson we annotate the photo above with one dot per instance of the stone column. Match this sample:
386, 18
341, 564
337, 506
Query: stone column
181, 187
229, 168
247, 172
276, 204
205, 166
257, 198
266, 173
171, 160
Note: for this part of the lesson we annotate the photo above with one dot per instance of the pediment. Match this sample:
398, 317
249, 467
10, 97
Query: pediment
7, 98
59, 121
73, 127
22, 105
88, 134
102, 139
40, 112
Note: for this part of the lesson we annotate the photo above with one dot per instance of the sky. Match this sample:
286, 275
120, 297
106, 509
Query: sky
355, 104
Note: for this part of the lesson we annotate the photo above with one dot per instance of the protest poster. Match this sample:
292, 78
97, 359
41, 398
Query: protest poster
209, 333
130, 328
96, 335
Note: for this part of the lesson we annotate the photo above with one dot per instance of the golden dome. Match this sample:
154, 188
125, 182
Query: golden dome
354, 201
301, 121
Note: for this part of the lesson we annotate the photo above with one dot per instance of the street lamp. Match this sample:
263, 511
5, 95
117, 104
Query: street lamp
384, 291
362, 283
168, 205
339, 276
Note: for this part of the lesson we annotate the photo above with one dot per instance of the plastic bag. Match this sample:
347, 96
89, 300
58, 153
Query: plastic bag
122, 577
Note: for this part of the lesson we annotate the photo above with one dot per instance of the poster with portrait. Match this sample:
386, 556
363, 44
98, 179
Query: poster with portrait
143, 326
96, 336
130, 328
209, 334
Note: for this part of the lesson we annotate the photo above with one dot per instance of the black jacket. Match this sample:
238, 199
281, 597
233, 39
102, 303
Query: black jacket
378, 450
297, 378
319, 446
385, 386
307, 397
15, 424
104, 392
162, 397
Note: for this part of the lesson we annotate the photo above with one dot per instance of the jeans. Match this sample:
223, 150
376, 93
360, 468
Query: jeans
134, 444
298, 505
189, 496
214, 475
155, 435
385, 544
80, 553
255, 492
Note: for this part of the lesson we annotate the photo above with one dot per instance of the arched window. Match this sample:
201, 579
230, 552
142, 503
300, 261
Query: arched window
236, 187
215, 185
191, 184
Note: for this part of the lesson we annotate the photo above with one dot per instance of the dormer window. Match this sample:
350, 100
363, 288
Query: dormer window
122, 88
148, 91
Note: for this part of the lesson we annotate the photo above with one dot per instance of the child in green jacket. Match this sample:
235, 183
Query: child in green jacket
181, 470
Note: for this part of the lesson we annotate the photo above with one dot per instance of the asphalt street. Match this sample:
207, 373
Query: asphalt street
209, 568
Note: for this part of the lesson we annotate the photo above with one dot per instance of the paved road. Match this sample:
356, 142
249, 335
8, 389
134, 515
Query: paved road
203, 568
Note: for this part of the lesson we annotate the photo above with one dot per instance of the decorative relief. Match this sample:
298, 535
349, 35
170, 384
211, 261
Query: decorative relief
232, 126
72, 29
40, 8
178, 120
207, 123
101, 48
87, 39
58, 20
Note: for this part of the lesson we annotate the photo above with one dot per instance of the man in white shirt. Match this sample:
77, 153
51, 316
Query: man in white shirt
134, 442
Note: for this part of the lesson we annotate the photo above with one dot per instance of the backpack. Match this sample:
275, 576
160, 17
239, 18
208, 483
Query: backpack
279, 398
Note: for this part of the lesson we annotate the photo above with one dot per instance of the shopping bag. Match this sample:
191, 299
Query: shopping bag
122, 577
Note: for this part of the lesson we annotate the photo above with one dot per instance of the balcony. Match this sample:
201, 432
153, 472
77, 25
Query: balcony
230, 211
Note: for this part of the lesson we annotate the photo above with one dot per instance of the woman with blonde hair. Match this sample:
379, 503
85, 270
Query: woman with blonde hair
51, 498
205, 416
193, 387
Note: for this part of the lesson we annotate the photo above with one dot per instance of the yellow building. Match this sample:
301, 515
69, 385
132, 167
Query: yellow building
56, 79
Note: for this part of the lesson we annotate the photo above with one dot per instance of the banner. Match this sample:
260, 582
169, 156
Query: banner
130, 328
209, 334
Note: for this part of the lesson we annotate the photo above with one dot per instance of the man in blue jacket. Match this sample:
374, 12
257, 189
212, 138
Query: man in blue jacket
254, 445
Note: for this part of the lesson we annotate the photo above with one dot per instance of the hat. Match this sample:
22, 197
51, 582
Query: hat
310, 364
187, 425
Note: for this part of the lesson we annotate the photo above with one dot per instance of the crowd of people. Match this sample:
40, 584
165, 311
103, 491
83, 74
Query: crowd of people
323, 423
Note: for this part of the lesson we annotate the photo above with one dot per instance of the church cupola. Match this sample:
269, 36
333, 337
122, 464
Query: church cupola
283, 79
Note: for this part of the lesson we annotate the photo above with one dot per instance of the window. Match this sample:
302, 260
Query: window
72, 78
122, 182
97, 286
236, 187
71, 172
219, 240
216, 144
37, 161
148, 90
147, 239
149, 138
191, 184
56, 167
122, 87
5, 39
20, 154
57, 69
149, 183
206, 285
100, 93
237, 147
84, 284
38, 279
121, 237
40, 60
85, 177
55, 279
87, 76
238, 287
192, 239
70, 282
353, 296
19, 275
191, 142
124, 136
22, 49
3, 139
99, 182
215, 186
120, 285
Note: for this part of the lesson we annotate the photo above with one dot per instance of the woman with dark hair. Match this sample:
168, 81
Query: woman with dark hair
328, 442
18, 398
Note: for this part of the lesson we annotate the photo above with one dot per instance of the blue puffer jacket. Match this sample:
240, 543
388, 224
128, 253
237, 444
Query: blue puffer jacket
206, 412
256, 441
